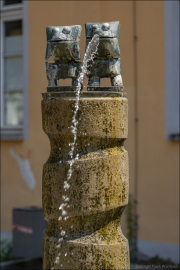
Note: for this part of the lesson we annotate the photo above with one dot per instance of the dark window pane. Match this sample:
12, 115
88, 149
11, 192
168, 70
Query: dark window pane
11, 2
13, 28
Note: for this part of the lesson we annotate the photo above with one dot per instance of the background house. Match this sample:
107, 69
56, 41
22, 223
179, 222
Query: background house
149, 44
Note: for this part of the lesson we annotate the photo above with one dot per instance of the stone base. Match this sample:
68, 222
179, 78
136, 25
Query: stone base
106, 88
61, 88
84, 94
83, 254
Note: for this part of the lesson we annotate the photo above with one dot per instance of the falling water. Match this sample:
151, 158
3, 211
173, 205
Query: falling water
89, 55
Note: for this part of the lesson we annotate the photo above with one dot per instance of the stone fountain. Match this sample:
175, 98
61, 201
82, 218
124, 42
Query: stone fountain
85, 179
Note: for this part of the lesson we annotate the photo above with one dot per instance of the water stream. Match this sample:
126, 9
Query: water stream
89, 55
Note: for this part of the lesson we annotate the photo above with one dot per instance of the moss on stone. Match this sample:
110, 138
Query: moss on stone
98, 185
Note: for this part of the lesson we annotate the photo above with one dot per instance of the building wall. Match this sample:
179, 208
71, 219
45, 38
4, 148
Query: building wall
157, 157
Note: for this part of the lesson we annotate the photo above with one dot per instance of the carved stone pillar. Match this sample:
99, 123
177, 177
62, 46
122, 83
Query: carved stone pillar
84, 230
85, 179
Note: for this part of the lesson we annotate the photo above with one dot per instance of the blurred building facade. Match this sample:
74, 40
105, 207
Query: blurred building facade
149, 44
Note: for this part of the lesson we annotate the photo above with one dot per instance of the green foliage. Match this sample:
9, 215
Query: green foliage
6, 251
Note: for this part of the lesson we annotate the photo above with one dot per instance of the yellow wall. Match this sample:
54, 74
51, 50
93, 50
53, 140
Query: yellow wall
158, 158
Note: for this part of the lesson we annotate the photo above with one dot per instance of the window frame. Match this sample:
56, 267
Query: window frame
10, 7
11, 13
171, 59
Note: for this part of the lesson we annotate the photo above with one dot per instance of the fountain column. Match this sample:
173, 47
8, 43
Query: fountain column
98, 191
84, 213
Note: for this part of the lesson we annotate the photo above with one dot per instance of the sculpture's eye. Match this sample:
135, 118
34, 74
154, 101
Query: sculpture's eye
55, 30
66, 30
94, 27
105, 26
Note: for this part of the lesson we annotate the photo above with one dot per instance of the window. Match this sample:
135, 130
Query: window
171, 22
14, 72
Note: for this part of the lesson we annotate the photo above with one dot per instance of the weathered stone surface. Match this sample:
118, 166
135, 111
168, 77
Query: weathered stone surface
105, 65
97, 117
108, 29
63, 51
63, 70
63, 48
91, 253
108, 47
89, 236
99, 183
68, 33
104, 68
